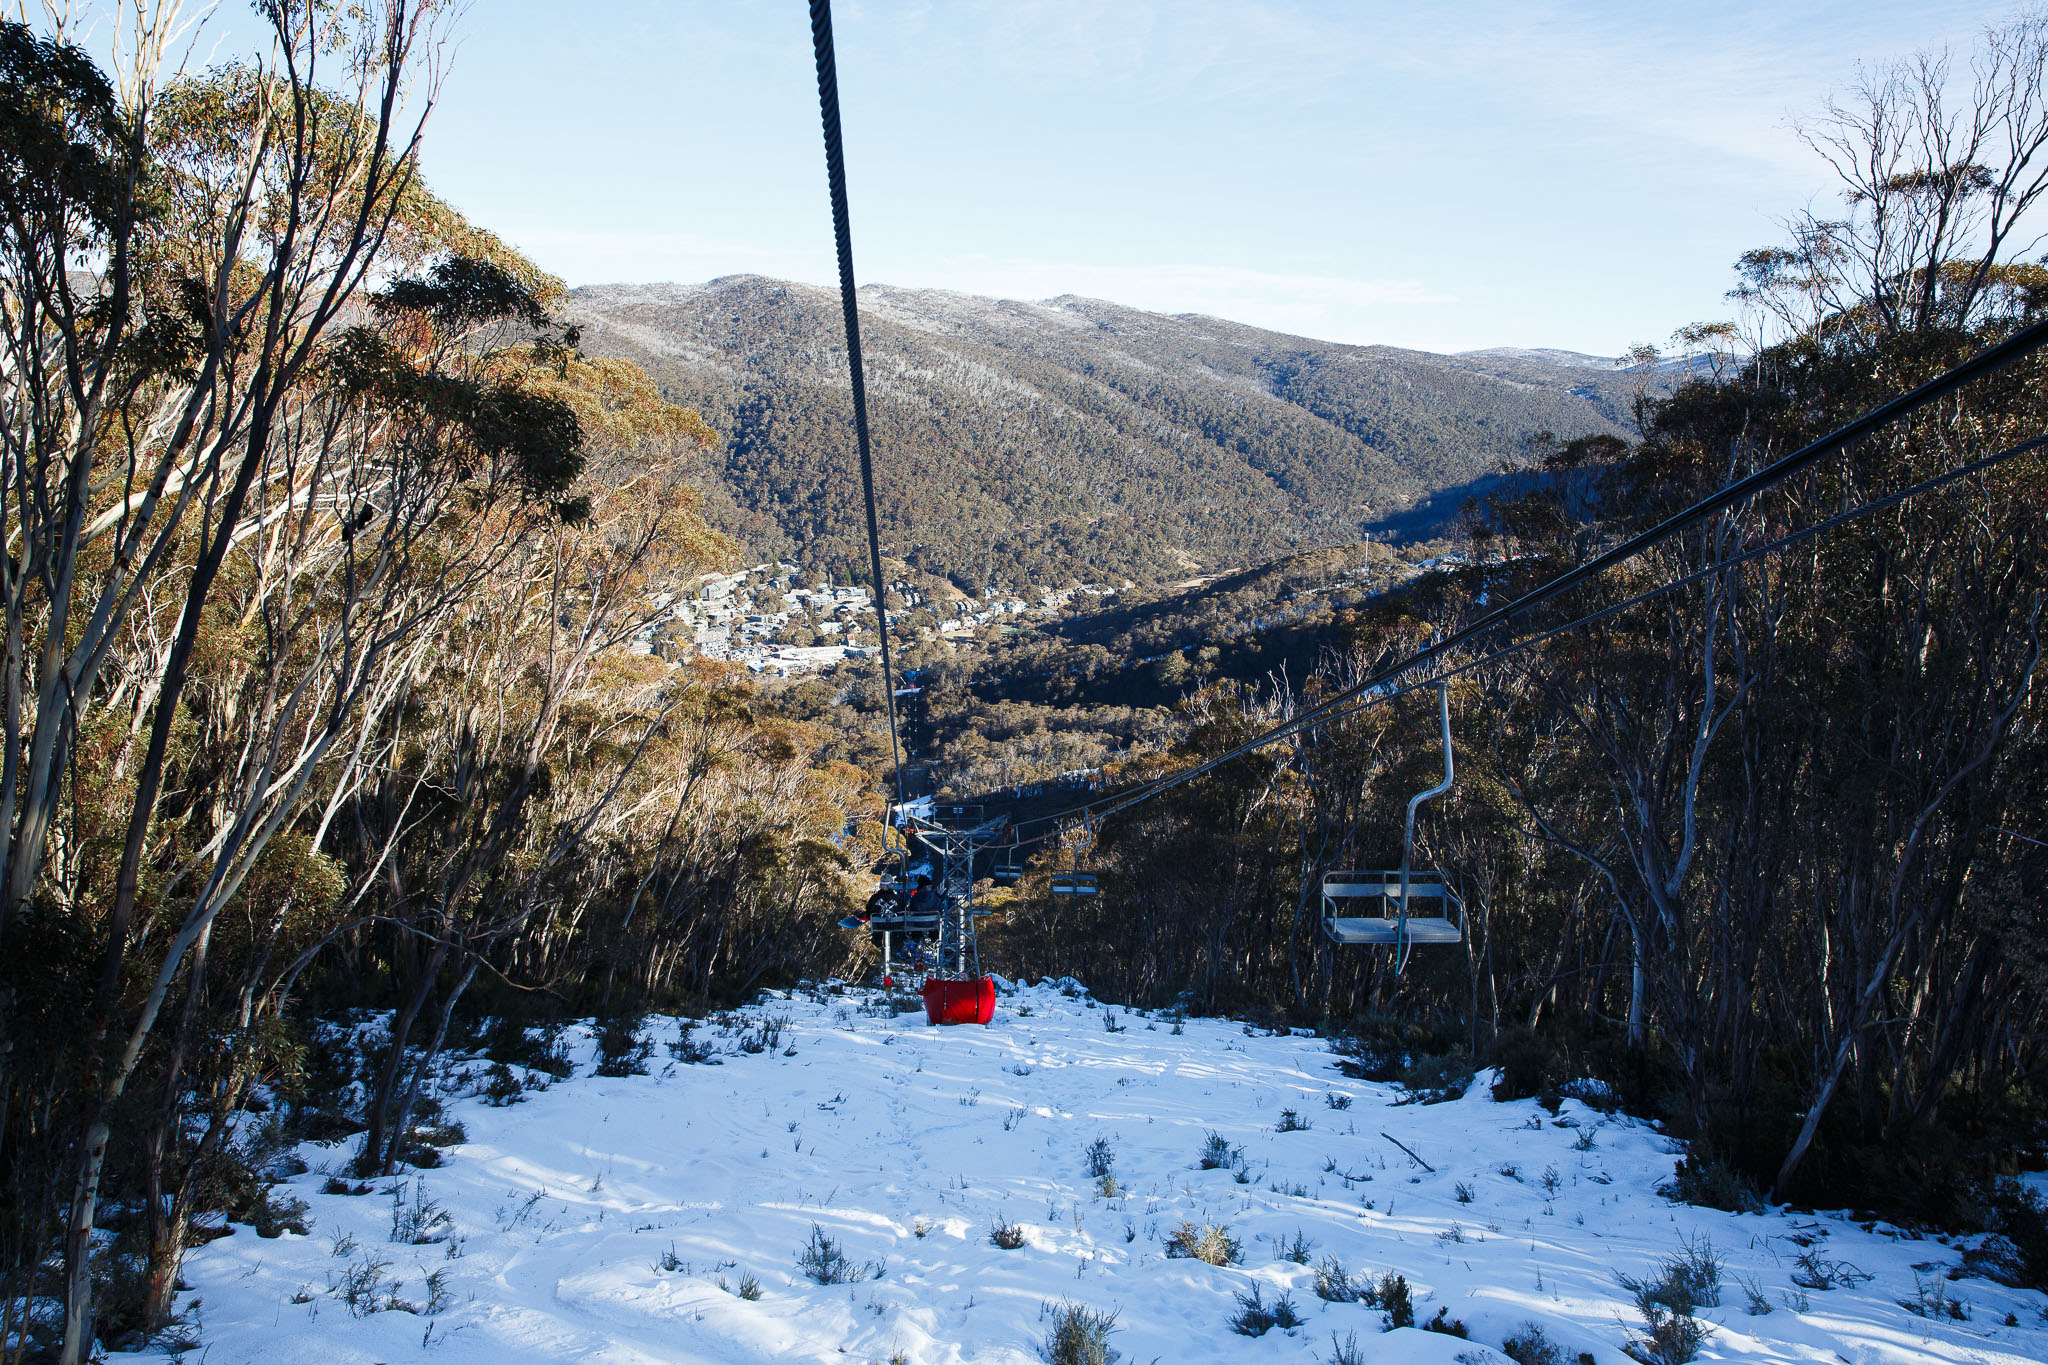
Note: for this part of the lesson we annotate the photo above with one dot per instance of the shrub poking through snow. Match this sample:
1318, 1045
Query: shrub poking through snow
1255, 1317
1009, 1236
1711, 1184
2018, 1255
1673, 1339
1297, 1249
688, 1047
1686, 1281
1292, 1122
1392, 1297
764, 1035
1529, 1345
273, 1214
1443, 1322
1078, 1335
1931, 1299
1217, 1153
1100, 1158
1347, 1351
622, 1048
420, 1221
1334, 1283
1336, 1099
501, 1087
1211, 1244
1814, 1271
826, 1262
360, 1284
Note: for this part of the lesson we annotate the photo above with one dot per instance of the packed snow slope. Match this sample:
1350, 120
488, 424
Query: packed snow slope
617, 1220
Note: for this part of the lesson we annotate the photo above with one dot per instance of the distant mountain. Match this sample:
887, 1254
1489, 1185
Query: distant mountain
1073, 438
1540, 355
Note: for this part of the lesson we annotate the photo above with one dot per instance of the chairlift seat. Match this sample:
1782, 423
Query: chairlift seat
1365, 908
1073, 884
898, 922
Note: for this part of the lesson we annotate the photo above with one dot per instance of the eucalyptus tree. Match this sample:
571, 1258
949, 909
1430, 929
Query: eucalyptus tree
176, 256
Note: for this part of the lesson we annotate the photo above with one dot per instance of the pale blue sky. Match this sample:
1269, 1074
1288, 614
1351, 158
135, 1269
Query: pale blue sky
1439, 176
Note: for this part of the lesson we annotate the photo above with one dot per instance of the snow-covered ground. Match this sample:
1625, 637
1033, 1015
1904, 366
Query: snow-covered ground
615, 1220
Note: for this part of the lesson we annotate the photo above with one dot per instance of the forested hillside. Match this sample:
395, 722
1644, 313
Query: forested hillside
1036, 442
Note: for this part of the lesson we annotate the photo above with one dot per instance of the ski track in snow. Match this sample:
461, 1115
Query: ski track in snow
564, 1205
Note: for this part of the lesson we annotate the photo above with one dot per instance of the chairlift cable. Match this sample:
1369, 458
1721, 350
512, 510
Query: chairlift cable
842, 234
1989, 360
1381, 690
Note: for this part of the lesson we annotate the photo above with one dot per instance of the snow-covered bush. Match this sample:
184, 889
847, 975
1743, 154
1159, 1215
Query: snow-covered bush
1212, 1244
1079, 1335
419, 1221
1686, 1281
622, 1049
826, 1262
1711, 1183
1392, 1297
2018, 1254
1334, 1283
1255, 1317
501, 1087
1347, 1351
1217, 1153
1529, 1344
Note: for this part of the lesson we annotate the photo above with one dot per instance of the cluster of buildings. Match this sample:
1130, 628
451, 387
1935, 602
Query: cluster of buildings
759, 617
969, 613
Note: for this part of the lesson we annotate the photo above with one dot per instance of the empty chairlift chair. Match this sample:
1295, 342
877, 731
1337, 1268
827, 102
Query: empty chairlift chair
1073, 884
1403, 907
1009, 868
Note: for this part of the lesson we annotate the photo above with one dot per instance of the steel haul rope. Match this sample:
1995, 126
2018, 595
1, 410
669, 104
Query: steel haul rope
1993, 358
842, 233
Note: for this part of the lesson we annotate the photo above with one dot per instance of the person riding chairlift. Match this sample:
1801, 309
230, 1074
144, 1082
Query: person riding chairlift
885, 904
889, 902
924, 902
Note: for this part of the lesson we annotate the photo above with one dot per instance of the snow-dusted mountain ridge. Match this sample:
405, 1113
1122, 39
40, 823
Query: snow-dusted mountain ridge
1074, 436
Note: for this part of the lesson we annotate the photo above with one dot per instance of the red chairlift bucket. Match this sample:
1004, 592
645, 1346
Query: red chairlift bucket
960, 1002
